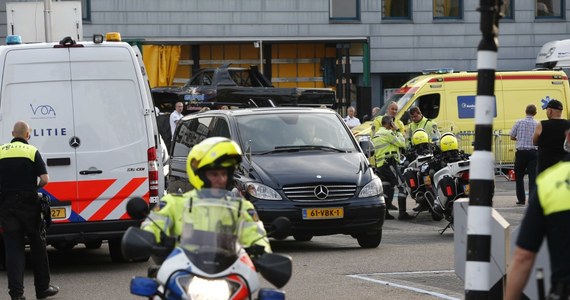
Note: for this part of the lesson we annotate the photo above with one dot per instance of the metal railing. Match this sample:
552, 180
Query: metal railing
503, 149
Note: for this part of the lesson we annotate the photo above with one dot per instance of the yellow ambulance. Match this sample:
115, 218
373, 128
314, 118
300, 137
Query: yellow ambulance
448, 98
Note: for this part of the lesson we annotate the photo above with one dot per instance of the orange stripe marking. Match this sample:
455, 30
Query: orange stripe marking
112, 203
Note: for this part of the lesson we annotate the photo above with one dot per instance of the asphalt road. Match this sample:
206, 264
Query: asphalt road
413, 262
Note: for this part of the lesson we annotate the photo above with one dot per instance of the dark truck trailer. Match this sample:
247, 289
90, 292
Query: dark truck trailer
237, 87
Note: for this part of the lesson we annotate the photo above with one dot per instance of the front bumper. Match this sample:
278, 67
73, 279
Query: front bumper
360, 215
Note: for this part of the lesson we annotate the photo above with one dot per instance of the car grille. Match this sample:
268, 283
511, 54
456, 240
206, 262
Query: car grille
322, 192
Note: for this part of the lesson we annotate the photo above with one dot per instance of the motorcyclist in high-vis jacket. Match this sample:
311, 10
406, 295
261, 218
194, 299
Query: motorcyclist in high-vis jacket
210, 165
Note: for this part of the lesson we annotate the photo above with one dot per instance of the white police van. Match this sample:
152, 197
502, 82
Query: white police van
92, 118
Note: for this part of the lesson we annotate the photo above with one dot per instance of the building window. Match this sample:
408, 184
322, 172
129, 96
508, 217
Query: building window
549, 9
507, 9
86, 10
447, 9
341, 10
396, 9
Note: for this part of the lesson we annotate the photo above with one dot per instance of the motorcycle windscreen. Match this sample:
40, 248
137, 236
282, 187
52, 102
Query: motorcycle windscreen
210, 230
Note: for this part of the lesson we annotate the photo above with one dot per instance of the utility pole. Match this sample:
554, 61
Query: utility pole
482, 167
47, 20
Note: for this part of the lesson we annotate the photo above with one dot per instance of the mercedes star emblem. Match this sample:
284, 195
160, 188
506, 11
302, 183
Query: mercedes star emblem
321, 192
74, 142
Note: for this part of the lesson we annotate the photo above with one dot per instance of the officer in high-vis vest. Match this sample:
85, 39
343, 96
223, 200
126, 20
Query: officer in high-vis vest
20, 167
548, 214
210, 164
419, 121
391, 110
387, 142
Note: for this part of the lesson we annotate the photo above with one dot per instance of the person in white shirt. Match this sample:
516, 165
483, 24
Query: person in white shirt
175, 116
351, 120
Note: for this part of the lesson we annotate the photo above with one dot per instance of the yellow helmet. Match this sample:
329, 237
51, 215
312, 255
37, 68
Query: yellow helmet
420, 137
448, 142
212, 153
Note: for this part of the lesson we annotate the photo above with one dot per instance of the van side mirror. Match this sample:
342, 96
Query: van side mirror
367, 147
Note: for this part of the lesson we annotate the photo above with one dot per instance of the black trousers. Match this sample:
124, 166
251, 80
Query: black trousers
21, 218
525, 160
392, 179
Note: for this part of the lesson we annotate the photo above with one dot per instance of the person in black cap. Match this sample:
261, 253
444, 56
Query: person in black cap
549, 136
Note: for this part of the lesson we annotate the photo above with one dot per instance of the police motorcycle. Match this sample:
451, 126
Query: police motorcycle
419, 172
208, 262
451, 181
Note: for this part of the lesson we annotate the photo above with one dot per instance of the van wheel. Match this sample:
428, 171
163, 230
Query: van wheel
115, 251
63, 246
302, 237
96, 244
369, 239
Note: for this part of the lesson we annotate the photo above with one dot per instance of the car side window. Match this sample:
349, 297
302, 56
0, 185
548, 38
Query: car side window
191, 132
207, 79
429, 105
197, 80
219, 127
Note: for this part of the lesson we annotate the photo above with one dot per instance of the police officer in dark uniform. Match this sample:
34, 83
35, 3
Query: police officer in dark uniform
548, 214
20, 166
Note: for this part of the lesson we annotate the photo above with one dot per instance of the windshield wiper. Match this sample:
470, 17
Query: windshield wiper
279, 149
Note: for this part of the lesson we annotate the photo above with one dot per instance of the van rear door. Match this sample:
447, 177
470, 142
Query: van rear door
36, 88
110, 125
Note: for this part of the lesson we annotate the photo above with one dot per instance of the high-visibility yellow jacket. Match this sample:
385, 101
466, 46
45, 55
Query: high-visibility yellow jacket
170, 219
378, 123
386, 144
426, 124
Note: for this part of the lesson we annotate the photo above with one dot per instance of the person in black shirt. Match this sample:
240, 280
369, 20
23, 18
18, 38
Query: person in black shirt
549, 136
20, 167
548, 214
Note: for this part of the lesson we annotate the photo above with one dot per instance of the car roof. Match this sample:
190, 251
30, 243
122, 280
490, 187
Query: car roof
262, 111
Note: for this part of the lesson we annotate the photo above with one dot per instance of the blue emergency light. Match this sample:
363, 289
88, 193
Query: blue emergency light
13, 40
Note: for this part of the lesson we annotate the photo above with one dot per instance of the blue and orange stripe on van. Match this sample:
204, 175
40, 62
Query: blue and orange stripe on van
91, 190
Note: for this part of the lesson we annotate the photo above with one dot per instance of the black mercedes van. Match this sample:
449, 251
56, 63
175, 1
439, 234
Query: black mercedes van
301, 163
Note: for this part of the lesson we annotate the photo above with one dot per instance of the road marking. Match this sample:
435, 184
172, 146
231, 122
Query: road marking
406, 287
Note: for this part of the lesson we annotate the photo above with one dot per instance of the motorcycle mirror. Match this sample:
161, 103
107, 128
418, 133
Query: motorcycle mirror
136, 244
275, 268
280, 228
137, 208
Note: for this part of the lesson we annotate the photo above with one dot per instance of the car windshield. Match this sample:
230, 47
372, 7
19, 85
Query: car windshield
285, 132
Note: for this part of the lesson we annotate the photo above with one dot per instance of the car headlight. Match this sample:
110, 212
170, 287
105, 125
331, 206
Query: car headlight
211, 289
261, 191
373, 188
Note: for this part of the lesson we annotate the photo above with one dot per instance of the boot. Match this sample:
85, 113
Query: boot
389, 216
420, 207
403, 214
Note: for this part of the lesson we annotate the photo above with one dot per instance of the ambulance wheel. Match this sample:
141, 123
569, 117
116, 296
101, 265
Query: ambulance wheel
96, 244
369, 239
115, 251
302, 237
